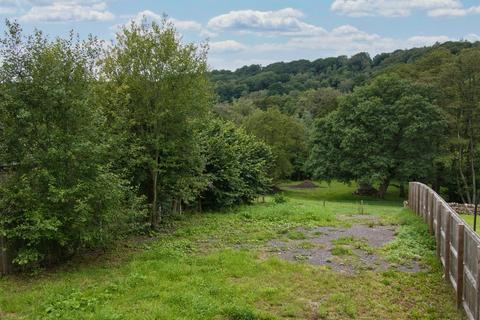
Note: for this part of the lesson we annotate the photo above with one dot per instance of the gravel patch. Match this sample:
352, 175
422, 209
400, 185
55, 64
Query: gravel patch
346, 250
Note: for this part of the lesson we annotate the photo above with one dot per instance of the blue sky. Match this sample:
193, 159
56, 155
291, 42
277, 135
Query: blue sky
265, 31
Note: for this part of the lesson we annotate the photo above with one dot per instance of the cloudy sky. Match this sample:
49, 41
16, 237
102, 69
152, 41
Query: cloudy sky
263, 31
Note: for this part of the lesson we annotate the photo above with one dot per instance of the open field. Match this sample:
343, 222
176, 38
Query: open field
302, 259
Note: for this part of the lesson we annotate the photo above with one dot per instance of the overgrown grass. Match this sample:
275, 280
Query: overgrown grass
213, 266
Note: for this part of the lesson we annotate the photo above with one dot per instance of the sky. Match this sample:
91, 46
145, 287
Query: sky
265, 31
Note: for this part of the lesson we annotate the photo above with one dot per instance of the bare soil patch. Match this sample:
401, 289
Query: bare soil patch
346, 250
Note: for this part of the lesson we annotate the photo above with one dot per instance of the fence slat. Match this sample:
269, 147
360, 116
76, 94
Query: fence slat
438, 232
447, 245
430, 212
476, 310
460, 248
417, 199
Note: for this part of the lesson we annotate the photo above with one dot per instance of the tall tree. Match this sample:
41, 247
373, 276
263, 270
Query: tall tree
386, 130
462, 83
285, 135
163, 86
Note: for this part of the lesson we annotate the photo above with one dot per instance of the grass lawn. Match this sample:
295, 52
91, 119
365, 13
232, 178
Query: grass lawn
220, 265
469, 220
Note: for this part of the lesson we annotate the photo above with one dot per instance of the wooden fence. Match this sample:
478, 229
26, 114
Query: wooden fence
458, 246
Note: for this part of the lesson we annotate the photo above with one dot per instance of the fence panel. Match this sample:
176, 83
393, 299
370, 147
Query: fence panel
458, 246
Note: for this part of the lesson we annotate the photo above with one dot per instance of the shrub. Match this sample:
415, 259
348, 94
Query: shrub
279, 198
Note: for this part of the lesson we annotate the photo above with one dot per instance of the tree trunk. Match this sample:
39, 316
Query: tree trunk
472, 167
402, 190
382, 189
154, 219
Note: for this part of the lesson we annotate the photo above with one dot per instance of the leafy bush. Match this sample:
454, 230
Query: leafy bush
237, 165
61, 195
279, 198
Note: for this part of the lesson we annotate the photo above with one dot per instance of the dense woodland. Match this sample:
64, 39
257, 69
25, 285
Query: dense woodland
406, 115
99, 143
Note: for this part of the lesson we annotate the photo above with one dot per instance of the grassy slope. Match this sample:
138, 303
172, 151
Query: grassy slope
211, 266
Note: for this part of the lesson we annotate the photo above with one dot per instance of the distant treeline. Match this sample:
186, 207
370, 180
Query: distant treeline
342, 73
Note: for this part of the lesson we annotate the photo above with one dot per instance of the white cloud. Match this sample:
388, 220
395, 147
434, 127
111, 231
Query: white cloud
302, 39
454, 12
57, 11
179, 24
473, 37
401, 8
226, 46
343, 40
207, 33
281, 22
8, 10
421, 41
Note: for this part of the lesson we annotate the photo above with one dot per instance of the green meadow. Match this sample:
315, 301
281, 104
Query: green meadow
219, 265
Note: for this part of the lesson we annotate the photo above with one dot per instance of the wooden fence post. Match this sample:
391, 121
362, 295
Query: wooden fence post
420, 204
419, 198
447, 244
431, 217
422, 195
438, 231
476, 312
424, 192
415, 199
429, 207
414, 203
460, 248
425, 202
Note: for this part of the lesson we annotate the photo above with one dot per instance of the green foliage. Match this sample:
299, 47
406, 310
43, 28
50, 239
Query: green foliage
88, 136
158, 87
386, 130
60, 195
412, 242
236, 165
285, 135
451, 69
341, 73
279, 198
